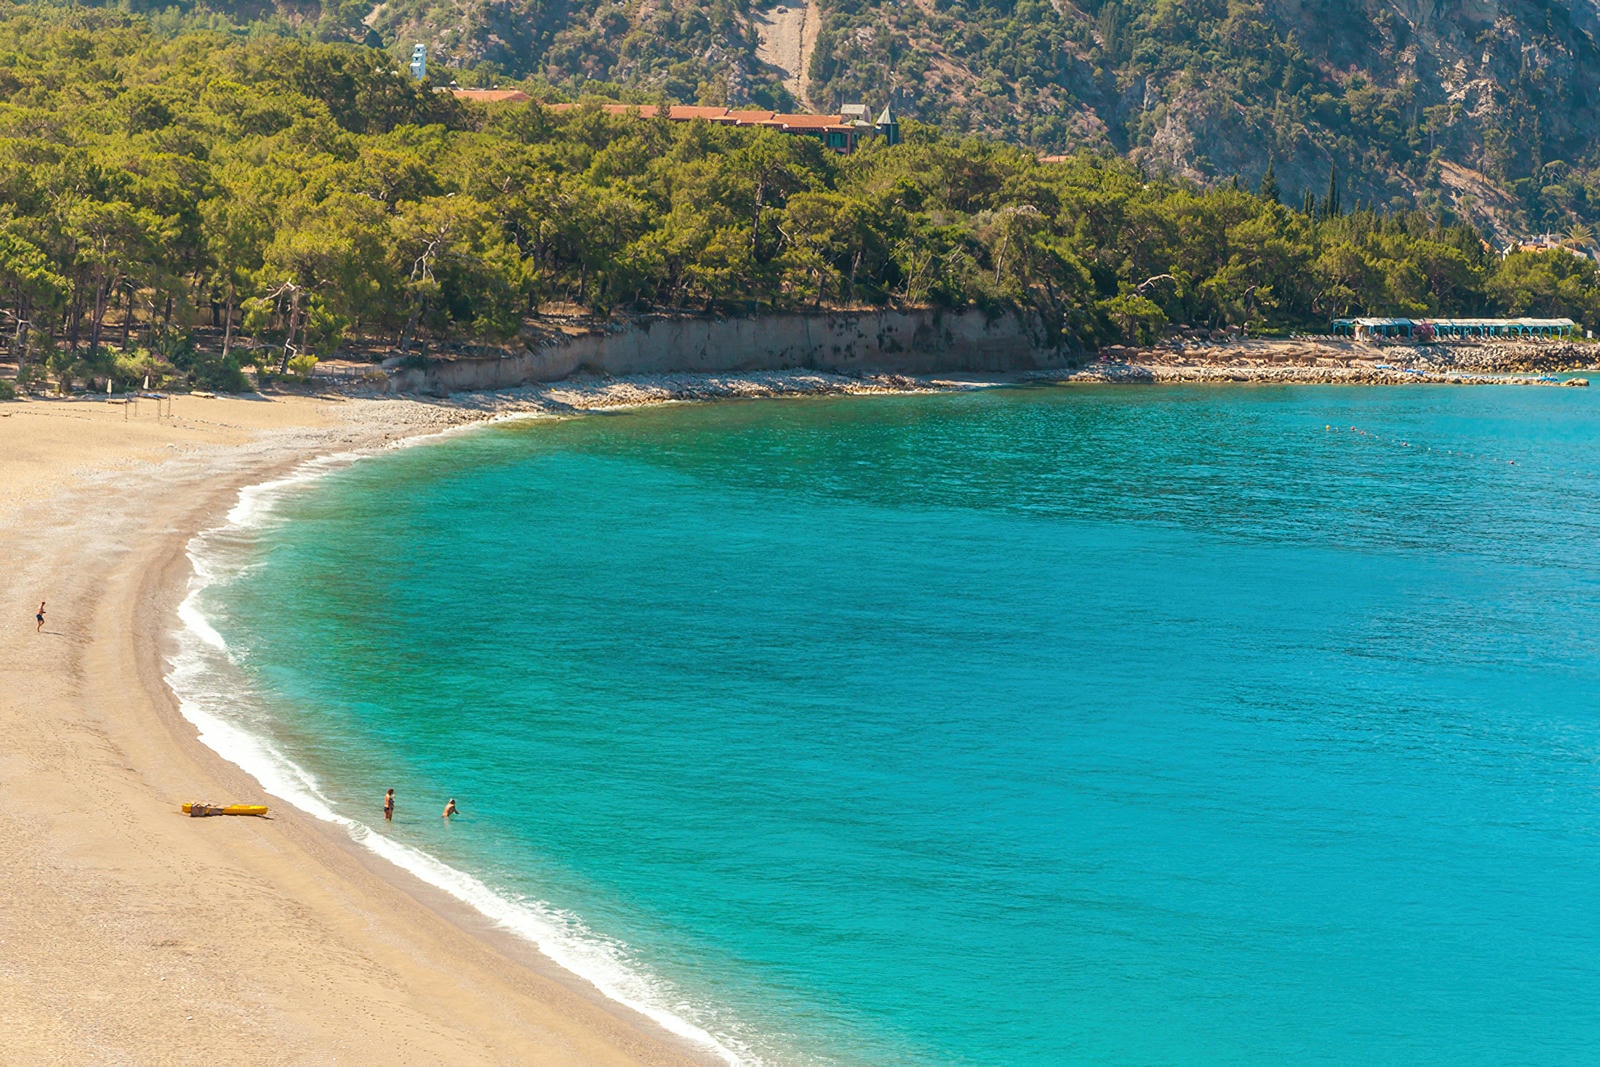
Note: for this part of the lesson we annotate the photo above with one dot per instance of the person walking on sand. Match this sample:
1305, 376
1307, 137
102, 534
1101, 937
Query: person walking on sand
450, 808
388, 806
39, 618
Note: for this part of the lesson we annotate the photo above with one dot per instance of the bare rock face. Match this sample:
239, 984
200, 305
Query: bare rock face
1172, 148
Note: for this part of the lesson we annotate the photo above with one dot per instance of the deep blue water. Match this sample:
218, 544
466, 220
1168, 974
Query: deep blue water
1029, 726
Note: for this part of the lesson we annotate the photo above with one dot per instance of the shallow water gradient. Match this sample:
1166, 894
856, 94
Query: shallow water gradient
1029, 726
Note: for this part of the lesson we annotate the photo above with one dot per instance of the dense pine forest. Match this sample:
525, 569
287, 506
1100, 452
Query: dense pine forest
286, 198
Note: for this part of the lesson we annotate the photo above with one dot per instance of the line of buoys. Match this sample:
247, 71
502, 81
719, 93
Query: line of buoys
1426, 448
1445, 451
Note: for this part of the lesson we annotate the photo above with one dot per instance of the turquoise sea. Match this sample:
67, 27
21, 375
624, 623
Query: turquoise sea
1029, 726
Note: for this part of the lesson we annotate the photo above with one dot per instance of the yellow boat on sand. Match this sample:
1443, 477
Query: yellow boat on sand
231, 809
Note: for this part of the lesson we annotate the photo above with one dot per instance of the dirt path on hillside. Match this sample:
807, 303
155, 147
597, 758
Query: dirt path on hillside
788, 37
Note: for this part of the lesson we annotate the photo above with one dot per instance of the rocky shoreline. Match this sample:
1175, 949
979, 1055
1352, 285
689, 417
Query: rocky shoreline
1342, 362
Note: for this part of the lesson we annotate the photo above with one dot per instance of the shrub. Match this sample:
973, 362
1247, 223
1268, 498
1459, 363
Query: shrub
65, 366
30, 374
208, 370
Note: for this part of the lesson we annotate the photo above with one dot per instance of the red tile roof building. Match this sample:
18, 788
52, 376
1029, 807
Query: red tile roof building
839, 132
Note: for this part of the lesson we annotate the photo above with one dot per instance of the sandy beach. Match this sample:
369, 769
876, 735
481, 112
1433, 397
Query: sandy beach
130, 933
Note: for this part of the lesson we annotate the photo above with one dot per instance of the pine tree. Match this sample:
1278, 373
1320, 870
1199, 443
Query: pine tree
1269, 183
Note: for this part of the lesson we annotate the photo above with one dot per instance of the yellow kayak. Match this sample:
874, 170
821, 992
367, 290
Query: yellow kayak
231, 809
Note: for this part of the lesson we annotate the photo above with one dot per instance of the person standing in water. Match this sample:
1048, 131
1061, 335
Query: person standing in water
450, 808
388, 806
39, 618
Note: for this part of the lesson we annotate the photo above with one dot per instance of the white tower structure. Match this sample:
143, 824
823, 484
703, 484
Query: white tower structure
419, 62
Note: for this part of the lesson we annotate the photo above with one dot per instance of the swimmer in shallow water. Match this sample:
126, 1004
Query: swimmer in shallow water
450, 808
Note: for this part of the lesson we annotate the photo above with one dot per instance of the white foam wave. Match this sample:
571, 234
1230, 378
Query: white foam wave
559, 934
197, 623
256, 502
214, 695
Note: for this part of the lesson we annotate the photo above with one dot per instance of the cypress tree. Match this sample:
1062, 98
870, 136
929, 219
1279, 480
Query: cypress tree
1330, 207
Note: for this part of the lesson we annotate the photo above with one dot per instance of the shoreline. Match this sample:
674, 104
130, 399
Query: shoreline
199, 659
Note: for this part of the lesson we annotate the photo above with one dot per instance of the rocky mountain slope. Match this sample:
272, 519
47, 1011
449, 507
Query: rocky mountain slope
1486, 110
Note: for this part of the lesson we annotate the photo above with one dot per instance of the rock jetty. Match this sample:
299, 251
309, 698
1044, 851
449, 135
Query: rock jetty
1341, 362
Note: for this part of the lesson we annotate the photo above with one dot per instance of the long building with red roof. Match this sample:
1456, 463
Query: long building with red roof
839, 132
